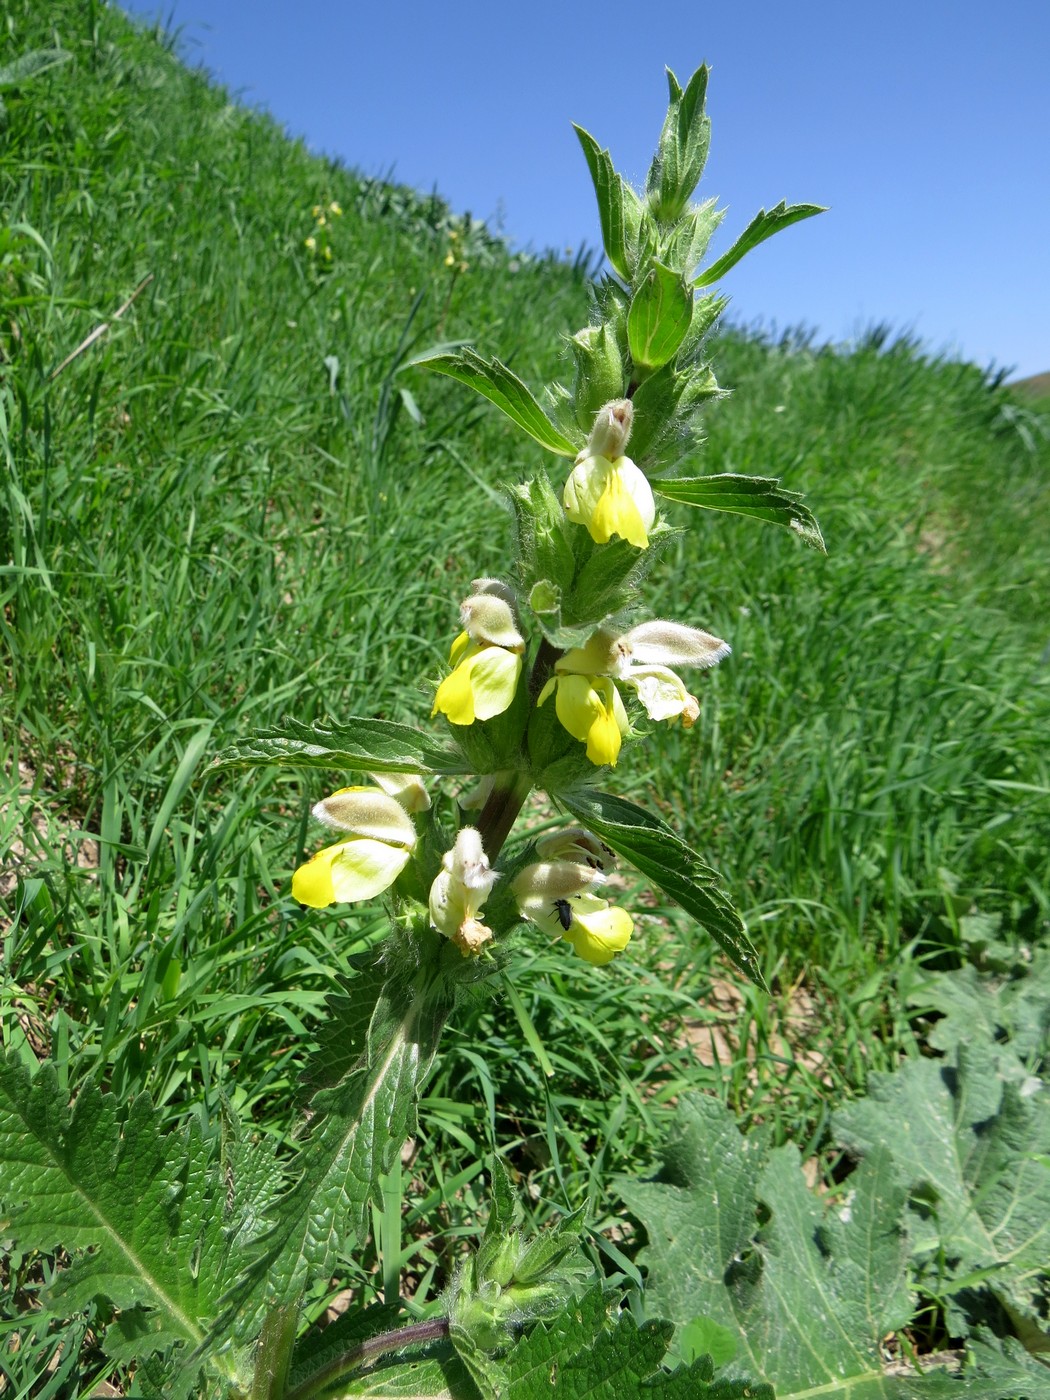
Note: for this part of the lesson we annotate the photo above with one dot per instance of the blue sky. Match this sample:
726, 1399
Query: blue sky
923, 125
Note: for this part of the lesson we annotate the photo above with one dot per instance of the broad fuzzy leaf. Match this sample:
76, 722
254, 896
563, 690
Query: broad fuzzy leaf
495, 382
973, 1148
1008, 1009
364, 745
153, 1221
653, 848
764, 225
808, 1294
760, 497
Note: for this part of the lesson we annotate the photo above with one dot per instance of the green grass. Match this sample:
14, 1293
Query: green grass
207, 523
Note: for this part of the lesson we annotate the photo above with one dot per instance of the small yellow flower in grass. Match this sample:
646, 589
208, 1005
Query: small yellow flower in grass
310, 243
378, 845
459, 891
335, 208
605, 490
560, 896
485, 657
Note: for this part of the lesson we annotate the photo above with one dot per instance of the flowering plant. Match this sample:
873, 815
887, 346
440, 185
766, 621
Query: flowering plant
553, 668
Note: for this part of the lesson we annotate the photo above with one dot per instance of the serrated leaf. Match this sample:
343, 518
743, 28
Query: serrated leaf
973, 1149
495, 382
809, 1293
364, 745
151, 1220
764, 225
359, 1125
659, 317
585, 1352
653, 848
760, 497
617, 204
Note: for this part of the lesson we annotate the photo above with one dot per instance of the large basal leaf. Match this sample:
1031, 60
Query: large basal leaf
761, 227
495, 382
153, 1222
1008, 1009
759, 497
653, 848
803, 1299
973, 1148
365, 745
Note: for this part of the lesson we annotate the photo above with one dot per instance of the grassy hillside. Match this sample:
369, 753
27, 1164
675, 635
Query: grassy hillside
236, 503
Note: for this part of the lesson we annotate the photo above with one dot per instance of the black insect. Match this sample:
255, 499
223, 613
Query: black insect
564, 912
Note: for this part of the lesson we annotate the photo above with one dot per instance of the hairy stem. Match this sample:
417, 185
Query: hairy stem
418, 1334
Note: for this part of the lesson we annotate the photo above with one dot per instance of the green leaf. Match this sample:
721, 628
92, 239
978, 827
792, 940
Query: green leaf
809, 1293
617, 204
659, 317
973, 1150
764, 225
495, 382
760, 497
585, 1352
1008, 1008
358, 1126
155, 1224
365, 745
681, 152
653, 848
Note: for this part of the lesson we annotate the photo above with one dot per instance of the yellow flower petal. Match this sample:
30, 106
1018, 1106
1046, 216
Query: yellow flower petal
482, 684
610, 498
617, 512
348, 872
455, 697
494, 676
599, 935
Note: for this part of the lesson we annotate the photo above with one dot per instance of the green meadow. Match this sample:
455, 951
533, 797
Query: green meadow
227, 497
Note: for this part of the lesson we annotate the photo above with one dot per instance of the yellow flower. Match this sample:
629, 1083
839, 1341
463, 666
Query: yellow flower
371, 857
334, 208
605, 490
559, 897
310, 243
610, 498
485, 657
590, 708
482, 683
598, 930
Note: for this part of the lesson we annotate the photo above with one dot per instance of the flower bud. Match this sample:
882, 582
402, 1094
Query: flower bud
612, 428
490, 620
367, 812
